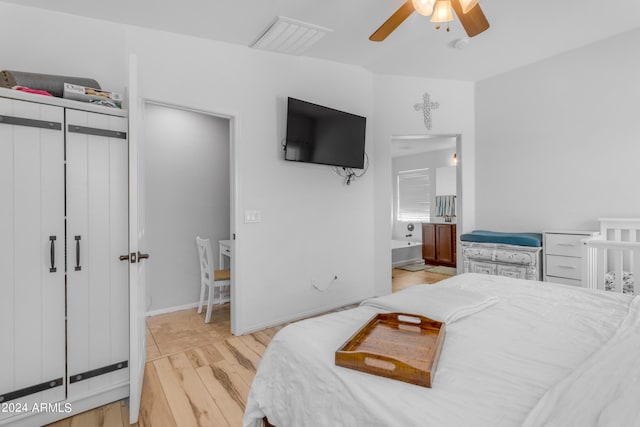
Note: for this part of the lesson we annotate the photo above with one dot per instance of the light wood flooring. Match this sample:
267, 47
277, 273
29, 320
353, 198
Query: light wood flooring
403, 279
199, 374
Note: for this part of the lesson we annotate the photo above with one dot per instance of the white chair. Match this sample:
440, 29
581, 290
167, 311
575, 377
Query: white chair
214, 280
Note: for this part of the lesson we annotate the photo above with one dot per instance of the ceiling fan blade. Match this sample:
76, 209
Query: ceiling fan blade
474, 21
392, 23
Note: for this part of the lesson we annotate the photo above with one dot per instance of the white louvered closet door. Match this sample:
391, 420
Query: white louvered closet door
32, 301
97, 234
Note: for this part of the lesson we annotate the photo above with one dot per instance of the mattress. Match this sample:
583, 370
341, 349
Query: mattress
511, 348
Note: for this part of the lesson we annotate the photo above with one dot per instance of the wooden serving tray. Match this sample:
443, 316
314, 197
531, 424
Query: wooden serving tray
401, 346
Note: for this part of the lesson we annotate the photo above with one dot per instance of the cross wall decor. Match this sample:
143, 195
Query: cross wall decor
427, 106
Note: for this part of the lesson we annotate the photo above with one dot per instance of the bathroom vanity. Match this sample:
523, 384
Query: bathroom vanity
439, 244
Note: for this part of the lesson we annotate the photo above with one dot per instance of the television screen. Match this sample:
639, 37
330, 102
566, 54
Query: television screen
317, 134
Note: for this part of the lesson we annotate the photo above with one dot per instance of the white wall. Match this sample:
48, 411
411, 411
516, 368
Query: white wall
54, 43
186, 195
558, 142
394, 98
313, 226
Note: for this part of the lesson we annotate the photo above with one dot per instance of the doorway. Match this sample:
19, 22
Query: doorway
425, 176
188, 193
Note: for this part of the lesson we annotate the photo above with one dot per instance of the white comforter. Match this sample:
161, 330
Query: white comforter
515, 352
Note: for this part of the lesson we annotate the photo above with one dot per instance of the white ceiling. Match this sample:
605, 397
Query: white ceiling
521, 32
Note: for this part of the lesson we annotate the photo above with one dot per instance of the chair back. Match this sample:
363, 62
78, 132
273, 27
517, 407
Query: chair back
206, 260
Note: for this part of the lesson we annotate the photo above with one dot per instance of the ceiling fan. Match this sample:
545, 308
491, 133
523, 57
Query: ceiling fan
469, 13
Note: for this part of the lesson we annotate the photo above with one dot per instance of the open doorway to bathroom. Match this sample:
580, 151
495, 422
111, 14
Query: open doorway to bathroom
425, 209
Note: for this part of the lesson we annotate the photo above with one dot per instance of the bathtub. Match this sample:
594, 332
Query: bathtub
398, 244
405, 252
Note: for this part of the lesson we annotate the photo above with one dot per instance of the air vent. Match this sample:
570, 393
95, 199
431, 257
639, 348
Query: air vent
286, 35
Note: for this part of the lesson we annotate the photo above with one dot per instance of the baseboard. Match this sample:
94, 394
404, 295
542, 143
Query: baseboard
295, 317
152, 313
406, 261
259, 327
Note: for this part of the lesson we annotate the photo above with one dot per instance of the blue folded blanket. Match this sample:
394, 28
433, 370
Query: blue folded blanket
518, 239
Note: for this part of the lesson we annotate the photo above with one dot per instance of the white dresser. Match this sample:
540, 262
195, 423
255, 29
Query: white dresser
563, 256
519, 262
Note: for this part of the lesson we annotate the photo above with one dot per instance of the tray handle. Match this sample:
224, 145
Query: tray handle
377, 362
383, 366
405, 318
412, 320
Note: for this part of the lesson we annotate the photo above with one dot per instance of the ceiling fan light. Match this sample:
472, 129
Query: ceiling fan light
467, 5
424, 7
442, 12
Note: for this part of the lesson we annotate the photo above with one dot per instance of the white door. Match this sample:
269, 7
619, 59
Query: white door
97, 234
137, 290
32, 353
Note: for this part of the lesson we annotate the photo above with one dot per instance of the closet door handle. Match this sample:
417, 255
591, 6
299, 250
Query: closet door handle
132, 257
142, 256
52, 253
77, 268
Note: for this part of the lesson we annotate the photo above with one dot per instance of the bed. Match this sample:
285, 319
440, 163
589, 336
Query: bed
516, 352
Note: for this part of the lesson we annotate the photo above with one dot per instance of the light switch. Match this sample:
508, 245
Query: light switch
251, 216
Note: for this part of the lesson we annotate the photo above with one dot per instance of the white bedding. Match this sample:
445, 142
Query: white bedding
509, 345
603, 391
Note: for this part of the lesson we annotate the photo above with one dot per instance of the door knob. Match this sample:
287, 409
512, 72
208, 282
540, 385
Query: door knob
133, 257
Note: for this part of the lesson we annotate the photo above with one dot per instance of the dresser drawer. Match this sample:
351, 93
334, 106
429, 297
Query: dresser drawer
564, 281
513, 271
564, 244
482, 267
563, 266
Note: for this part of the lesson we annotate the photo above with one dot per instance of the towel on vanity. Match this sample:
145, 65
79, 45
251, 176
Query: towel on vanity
445, 205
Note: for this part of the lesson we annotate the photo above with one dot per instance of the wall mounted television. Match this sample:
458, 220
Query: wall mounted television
317, 134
